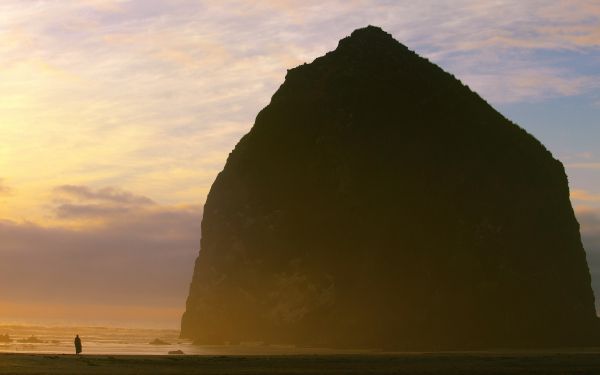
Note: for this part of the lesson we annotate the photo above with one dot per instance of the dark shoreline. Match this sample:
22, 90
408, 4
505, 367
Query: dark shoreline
586, 361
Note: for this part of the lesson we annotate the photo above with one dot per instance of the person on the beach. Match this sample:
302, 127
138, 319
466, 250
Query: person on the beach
77, 344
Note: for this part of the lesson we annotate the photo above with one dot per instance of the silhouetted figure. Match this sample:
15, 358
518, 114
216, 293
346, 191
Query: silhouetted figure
77, 345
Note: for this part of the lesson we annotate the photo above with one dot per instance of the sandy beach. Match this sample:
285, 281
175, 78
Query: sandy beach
424, 363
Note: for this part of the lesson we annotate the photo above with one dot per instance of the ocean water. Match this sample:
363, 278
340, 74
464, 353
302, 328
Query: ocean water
128, 341
96, 340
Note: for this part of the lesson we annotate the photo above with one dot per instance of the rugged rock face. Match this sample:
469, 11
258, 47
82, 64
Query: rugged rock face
378, 202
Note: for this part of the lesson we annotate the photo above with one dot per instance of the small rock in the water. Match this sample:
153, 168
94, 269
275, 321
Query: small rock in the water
175, 352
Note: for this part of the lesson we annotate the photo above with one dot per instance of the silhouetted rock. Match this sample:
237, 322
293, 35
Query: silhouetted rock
378, 202
176, 352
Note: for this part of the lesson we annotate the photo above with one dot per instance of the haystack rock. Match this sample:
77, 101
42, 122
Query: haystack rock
377, 202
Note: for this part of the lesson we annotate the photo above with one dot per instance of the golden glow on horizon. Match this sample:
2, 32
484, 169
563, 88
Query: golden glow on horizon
129, 316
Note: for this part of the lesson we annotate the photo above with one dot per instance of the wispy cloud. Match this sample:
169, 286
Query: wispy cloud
590, 165
585, 196
525, 82
82, 202
4, 189
106, 194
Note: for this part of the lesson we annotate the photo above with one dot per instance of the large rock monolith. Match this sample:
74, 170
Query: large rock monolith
377, 202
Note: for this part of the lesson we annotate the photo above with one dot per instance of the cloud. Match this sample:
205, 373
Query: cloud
526, 82
582, 195
79, 202
141, 258
4, 189
528, 54
75, 211
106, 194
590, 165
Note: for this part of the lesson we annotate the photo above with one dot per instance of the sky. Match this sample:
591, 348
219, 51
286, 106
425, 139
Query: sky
116, 116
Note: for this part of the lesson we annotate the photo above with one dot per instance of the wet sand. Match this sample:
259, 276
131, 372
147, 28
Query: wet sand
424, 363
